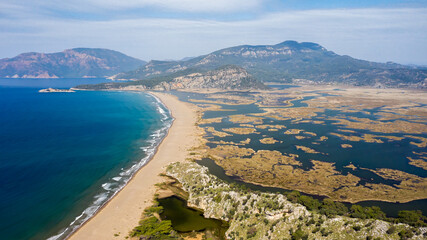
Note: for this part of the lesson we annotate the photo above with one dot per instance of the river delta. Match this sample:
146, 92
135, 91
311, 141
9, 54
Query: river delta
349, 144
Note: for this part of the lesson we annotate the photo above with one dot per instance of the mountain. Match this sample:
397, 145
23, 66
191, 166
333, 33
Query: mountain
71, 63
225, 77
293, 62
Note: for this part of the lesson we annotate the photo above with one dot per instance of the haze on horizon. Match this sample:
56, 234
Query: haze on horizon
378, 30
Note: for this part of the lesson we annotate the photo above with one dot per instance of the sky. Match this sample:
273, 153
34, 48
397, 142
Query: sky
375, 30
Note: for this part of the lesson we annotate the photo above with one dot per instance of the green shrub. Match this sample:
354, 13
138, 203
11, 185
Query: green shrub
153, 228
310, 222
414, 218
309, 202
217, 198
227, 197
405, 234
153, 209
293, 196
374, 212
324, 232
298, 234
357, 228
251, 232
331, 208
391, 230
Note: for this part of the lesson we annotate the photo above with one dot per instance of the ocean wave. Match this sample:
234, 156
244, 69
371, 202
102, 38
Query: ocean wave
108, 186
117, 178
161, 108
110, 189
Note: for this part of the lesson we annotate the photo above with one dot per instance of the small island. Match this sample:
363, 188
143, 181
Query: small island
51, 90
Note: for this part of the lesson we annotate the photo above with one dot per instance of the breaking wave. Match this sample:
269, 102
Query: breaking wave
112, 187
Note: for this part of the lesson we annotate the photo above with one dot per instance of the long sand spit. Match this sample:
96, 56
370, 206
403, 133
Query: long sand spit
123, 212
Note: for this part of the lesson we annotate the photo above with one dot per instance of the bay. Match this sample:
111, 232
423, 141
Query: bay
63, 155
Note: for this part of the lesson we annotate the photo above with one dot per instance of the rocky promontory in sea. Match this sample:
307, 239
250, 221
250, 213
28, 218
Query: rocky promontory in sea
53, 90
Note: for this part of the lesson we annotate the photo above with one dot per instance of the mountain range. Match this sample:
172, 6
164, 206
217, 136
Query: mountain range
71, 63
286, 62
293, 62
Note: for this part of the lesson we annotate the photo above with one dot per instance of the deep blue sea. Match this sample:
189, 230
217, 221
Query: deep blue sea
63, 155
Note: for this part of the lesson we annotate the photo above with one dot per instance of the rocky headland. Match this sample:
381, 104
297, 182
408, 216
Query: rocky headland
55, 90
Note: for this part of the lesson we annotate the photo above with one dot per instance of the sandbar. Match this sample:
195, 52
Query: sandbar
123, 212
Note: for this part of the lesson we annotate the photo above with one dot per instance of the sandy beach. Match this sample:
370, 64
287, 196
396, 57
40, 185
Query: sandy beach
122, 213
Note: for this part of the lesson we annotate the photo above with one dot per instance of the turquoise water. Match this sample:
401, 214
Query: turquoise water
63, 155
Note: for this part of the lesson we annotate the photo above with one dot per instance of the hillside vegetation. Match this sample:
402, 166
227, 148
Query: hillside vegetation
293, 62
224, 77
258, 215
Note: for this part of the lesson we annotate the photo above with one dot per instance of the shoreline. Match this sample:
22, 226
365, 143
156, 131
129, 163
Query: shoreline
122, 212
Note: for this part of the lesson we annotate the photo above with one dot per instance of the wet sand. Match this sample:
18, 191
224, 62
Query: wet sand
122, 213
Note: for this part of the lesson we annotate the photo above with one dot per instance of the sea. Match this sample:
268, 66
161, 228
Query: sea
64, 155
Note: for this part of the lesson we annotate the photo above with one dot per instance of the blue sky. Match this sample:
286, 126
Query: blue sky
377, 30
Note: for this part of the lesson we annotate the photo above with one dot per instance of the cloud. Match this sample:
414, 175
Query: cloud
374, 34
85, 6
182, 5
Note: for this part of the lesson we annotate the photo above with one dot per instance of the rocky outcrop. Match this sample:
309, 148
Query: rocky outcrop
227, 77
258, 215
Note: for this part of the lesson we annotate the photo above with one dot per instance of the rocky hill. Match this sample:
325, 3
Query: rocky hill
224, 77
293, 62
71, 63
262, 215
227, 77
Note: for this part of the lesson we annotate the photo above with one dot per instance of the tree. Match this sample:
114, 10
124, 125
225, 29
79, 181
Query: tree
414, 218
331, 208
309, 202
153, 228
294, 196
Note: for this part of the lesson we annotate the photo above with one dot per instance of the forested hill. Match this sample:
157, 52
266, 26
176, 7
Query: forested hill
293, 62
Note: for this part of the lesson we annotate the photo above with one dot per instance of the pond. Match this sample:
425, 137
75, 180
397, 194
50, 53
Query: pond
185, 219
